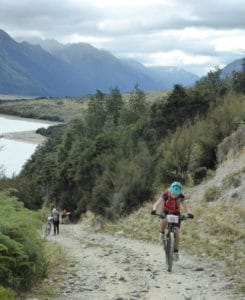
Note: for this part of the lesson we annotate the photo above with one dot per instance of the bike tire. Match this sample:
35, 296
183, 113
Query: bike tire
49, 229
165, 248
170, 251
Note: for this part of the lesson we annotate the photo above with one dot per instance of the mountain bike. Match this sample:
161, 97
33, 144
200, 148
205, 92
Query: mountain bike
48, 229
170, 236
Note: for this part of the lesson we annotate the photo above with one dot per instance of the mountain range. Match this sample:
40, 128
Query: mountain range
49, 68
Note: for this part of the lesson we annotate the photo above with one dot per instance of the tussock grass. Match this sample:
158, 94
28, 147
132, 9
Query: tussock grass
232, 179
211, 194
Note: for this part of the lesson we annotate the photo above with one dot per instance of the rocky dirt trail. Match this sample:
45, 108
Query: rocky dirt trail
112, 267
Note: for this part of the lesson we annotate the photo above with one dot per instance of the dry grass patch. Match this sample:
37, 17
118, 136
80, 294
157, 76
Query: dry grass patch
219, 234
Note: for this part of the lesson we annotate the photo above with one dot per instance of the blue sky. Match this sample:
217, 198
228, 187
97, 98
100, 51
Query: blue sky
190, 34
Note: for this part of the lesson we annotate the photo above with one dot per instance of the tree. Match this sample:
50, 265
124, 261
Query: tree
212, 86
238, 80
176, 154
137, 101
96, 113
114, 103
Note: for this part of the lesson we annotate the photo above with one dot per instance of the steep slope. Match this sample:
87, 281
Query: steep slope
14, 77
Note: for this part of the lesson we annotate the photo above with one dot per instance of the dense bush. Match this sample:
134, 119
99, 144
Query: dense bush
199, 174
22, 260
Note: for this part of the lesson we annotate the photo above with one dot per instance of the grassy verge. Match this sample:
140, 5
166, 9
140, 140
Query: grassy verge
55, 274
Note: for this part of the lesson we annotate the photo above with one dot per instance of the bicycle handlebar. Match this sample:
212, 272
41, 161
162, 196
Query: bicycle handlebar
182, 217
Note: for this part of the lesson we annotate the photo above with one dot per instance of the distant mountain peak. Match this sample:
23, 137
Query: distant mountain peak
4, 35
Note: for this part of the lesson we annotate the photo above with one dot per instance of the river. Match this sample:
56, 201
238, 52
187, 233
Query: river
18, 142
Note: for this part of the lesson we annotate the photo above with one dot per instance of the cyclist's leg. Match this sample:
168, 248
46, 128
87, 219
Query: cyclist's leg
68, 219
163, 223
55, 226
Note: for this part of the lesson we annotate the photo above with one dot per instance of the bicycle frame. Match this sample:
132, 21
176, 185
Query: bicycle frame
169, 242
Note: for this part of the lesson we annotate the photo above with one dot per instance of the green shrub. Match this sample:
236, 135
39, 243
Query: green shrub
22, 260
7, 294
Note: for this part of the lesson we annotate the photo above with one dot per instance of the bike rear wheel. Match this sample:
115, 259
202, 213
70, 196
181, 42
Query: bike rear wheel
48, 229
170, 251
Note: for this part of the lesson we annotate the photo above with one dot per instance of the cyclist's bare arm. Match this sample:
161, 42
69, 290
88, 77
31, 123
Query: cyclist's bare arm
157, 203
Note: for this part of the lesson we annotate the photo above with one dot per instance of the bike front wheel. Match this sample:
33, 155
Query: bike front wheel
170, 251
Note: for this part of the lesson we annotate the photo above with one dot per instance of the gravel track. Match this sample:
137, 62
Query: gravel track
112, 267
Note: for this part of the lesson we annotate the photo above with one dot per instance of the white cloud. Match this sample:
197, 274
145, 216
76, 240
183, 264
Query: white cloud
196, 35
234, 43
177, 57
128, 3
77, 38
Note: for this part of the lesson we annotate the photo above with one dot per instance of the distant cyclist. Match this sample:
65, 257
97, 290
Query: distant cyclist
170, 201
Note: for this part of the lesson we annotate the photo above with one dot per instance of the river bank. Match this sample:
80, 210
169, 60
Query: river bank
18, 141
26, 136
12, 117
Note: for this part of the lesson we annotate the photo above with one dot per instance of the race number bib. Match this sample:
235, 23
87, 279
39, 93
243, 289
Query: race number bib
173, 219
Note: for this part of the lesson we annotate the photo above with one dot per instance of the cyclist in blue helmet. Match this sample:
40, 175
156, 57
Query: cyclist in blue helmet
170, 200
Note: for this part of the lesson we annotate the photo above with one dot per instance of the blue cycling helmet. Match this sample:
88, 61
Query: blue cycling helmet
176, 188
